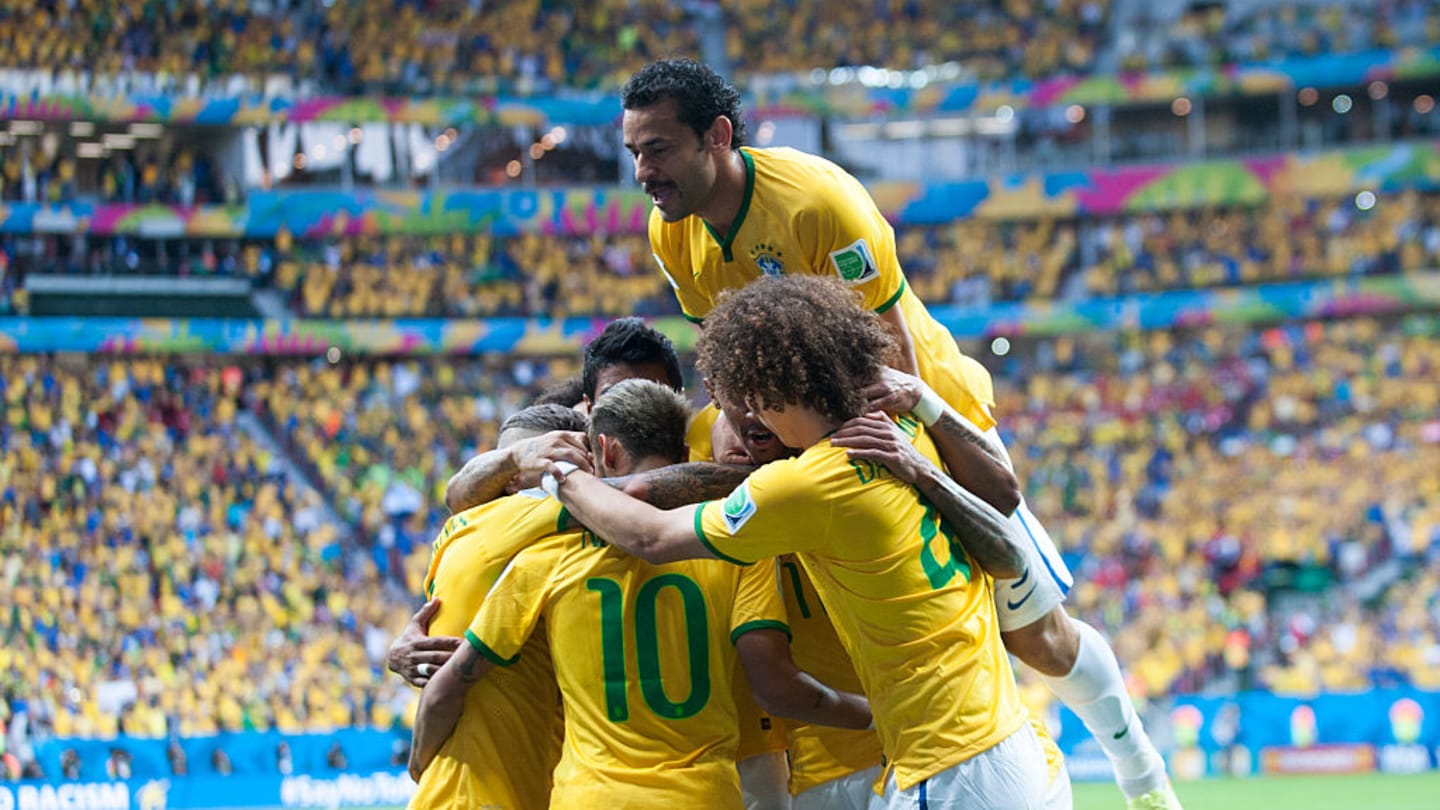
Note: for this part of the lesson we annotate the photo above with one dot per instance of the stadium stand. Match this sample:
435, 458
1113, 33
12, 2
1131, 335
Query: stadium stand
155, 557
996, 40
1196, 476
1208, 34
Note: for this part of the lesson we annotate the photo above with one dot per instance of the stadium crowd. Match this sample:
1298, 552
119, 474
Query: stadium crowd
1181, 475
154, 557
1209, 34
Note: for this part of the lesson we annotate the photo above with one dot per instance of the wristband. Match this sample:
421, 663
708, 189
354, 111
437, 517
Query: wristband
550, 484
930, 407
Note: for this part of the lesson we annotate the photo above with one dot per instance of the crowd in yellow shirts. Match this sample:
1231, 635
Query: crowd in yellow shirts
145, 537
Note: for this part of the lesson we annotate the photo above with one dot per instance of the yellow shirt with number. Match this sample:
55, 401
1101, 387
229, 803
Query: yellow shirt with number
803, 214
917, 618
508, 739
644, 657
759, 732
819, 754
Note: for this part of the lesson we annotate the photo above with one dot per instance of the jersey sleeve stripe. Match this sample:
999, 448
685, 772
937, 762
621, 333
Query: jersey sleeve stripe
563, 522
489, 654
705, 541
692, 318
885, 307
760, 624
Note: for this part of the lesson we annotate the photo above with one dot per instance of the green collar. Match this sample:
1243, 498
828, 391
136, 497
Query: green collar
728, 239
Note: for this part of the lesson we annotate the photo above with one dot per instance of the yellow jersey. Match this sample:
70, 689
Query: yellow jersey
644, 657
917, 618
507, 742
759, 732
803, 214
819, 754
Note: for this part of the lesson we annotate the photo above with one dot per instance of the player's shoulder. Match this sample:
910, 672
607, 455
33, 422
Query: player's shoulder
788, 160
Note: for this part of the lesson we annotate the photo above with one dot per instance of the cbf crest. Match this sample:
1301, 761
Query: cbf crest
768, 258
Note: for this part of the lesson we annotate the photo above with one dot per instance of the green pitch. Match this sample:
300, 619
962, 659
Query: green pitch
1360, 792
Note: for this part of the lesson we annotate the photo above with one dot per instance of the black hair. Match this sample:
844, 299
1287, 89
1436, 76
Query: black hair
629, 340
569, 392
701, 95
545, 418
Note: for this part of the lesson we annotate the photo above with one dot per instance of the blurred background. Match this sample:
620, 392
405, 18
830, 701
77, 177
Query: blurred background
271, 270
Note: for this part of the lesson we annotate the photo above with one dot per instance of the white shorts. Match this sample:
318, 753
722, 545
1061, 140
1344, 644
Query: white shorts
1010, 776
765, 781
1058, 797
1023, 601
852, 792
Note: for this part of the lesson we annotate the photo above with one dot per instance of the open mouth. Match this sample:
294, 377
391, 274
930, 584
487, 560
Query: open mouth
662, 193
760, 438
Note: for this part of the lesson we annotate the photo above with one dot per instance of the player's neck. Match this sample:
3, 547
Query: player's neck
727, 195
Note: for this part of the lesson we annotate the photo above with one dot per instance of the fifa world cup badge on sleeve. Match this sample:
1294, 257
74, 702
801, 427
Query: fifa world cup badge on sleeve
854, 264
739, 507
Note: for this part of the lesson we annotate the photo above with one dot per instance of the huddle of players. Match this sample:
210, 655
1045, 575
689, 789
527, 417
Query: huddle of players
643, 654
870, 531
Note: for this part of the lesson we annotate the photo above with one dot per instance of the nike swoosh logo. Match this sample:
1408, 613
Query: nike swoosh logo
1015, 586
1122, 733
1023, 599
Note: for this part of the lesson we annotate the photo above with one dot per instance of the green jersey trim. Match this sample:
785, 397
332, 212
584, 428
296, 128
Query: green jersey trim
728, 239
692, 318
760, 624
705, 541
885, 307
487, 653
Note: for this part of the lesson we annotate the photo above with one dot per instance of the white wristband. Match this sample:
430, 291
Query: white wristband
930, 407
548, 482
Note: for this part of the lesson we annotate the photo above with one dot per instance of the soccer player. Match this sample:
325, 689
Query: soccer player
503, 751
902, 569
726, 214
627, 349
643, 653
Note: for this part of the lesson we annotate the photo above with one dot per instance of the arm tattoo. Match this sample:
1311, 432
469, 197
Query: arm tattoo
951, 426
467, 663
980, 528
682, 484
481, 480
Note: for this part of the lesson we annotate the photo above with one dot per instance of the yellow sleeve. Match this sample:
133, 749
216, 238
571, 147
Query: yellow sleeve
513, 607
855, 243
772, 512
758, 604
677, 271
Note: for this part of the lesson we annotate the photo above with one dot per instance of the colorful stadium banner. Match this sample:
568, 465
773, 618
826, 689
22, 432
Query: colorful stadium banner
521, 336
853, 101
578, 211
800, 97
211, 792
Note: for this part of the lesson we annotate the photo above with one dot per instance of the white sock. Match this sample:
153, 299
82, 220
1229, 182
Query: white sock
1095, 691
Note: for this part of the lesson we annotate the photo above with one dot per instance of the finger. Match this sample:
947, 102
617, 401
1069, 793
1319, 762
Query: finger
435, 643
434, 658
417, 682
579, 457
426, 612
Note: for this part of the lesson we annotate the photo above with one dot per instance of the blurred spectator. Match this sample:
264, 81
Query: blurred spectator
335, 757
69, 764
175, 756
118, 764
220, 762
284, 763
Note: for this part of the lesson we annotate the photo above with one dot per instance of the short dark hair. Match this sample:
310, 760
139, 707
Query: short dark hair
795, 340
701, 95
544, 419
569, 392
648, 419
629, 340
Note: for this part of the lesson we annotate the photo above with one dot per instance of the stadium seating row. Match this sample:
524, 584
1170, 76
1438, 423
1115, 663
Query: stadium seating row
413, 46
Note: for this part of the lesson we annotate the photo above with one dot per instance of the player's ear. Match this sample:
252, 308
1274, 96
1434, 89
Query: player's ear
720, 132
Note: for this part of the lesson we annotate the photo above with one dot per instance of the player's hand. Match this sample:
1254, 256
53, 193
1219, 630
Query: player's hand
534, 456
893, 392
414, 655
874, 437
